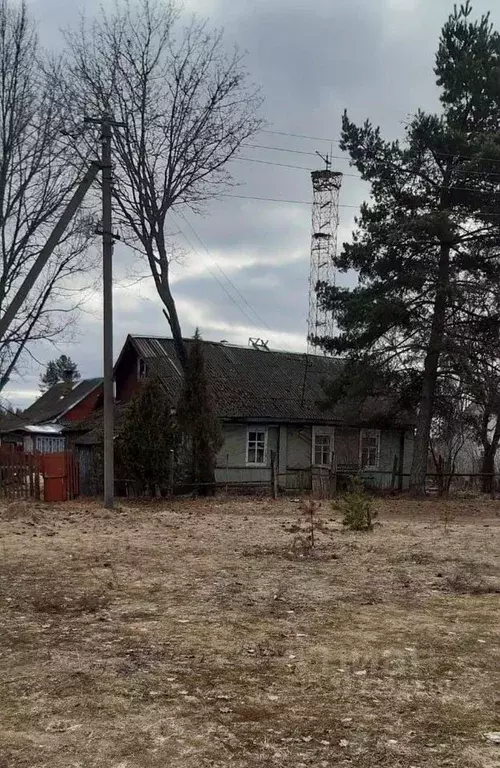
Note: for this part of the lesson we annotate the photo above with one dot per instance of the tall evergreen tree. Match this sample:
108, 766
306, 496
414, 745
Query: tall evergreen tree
56, 371
197, 420
427, 233
143, 450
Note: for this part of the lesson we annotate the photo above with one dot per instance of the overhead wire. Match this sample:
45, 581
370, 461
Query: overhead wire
278, 200
139, 250
343, 159
146, 298
236, 289
286, 165
338, 142
283, 149
294, 202
228, 294
231, 283
358, 176
298, 136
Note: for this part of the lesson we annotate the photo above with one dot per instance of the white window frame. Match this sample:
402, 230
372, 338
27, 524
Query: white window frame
262, 429
50, 444
322, 432
369, 433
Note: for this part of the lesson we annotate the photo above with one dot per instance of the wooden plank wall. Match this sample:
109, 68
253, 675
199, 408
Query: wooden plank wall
20, 474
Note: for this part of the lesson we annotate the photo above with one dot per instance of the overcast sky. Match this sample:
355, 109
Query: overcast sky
312, 60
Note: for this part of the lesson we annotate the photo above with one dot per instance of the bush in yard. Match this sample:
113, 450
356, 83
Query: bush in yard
197, 421
147, 437
356, 507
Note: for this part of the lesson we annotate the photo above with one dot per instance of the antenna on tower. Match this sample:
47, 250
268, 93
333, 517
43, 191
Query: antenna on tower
326, 159
325, 221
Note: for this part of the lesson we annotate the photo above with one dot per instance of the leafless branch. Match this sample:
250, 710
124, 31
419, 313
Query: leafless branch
186, 106
38, 170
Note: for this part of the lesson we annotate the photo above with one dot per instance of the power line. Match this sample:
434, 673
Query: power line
308, 202
139, 250
298, 136
337, 142
451, 188
347, 159
286, 165
128, 287
270, 162
283, 149
190, 243
278, 200
235, 288
484, 174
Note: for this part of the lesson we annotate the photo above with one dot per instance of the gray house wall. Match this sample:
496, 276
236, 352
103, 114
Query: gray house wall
389, 448
293, 447
231, 466
298, 458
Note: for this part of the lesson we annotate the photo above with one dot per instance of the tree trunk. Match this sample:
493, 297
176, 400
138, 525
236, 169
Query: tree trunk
175, 326
431, 364
161, 278
487, 469
489, 455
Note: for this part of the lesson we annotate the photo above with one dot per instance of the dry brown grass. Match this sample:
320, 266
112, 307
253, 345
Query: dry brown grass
189, 634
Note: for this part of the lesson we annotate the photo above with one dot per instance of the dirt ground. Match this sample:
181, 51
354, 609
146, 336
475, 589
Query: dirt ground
194, 634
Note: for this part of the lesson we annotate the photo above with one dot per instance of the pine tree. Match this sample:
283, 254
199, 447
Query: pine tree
61, 369
426, 236
147, 438
197, 420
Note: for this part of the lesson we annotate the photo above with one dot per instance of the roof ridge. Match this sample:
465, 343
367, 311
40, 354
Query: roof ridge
230, 345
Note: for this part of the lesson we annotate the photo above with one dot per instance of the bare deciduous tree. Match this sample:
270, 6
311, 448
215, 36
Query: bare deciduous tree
37, 173
186, 107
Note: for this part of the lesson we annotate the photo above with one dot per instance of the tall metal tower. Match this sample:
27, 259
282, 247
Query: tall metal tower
325, 222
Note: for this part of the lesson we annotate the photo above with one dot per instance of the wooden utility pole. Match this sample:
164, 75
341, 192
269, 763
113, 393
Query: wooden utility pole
107, 295
106, 123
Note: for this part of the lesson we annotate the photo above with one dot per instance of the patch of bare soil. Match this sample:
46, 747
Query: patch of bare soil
196, 634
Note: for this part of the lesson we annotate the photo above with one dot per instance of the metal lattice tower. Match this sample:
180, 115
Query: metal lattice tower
325, 222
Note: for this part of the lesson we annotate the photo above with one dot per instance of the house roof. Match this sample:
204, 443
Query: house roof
55, 403
10, 420
266, 385
43, 429
89, 431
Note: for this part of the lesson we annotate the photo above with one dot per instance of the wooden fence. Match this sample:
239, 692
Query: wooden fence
21, 474
49, 476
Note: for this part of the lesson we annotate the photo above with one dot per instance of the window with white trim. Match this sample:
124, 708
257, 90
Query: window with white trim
370, 448
322, 447
49, 444
257, 445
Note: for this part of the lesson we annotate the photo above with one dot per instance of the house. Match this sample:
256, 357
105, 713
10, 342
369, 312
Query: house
268, 405
41, 426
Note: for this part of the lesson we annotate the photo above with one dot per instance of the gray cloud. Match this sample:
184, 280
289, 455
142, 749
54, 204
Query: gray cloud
312, 61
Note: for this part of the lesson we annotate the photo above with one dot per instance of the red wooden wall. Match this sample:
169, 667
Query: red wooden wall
126, 376
85, 407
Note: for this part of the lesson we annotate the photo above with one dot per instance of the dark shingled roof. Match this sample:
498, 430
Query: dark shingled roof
89, 431
257, 384
57, 401
9, 420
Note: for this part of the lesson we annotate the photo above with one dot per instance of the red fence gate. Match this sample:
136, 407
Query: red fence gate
60, 476
48, 476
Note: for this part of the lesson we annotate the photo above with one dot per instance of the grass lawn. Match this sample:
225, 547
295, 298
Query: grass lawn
193, 634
